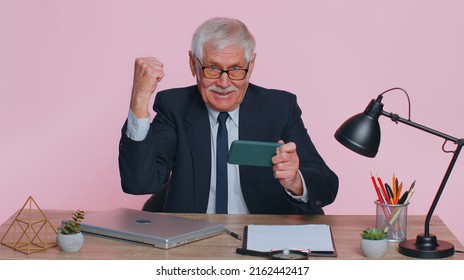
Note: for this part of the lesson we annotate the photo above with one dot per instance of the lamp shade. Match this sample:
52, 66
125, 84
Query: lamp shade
361, 133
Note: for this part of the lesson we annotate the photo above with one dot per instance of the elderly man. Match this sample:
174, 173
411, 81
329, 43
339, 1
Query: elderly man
178, 156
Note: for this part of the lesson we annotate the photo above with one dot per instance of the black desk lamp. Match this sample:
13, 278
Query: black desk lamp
361, 134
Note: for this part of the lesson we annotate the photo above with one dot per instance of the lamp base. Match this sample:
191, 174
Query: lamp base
426, 247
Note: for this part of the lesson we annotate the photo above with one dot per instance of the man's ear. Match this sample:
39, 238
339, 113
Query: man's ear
252, 64
193, 65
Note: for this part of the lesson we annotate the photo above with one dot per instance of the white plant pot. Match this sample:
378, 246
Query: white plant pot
374, 248
70, 242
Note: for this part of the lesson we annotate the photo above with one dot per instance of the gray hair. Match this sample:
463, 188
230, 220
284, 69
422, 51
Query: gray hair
222, 33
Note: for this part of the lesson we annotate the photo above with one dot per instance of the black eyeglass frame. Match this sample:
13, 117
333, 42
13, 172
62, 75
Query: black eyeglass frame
220, 71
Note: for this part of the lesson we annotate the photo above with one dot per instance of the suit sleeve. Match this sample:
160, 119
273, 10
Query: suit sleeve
144, 166
321, 181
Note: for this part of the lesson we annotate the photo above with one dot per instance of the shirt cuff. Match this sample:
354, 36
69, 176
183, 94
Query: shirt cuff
304, 197
137, 129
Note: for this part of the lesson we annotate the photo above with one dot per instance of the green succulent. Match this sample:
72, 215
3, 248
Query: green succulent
74, 225
373, 234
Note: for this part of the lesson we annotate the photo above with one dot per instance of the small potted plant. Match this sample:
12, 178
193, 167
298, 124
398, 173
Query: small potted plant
70, 238
373, 242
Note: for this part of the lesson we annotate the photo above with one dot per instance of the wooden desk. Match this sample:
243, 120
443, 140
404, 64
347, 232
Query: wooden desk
345, 230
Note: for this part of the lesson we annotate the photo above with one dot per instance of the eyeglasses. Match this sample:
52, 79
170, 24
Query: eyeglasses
213, 72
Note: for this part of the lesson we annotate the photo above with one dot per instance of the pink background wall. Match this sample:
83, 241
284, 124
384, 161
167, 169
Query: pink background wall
66, 73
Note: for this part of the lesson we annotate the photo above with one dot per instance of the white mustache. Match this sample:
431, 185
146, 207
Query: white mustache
223, 90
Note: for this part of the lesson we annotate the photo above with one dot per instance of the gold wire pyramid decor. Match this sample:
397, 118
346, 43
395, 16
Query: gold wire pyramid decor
30, 230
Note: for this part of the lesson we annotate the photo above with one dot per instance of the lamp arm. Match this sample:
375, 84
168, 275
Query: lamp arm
396, 118
458, 142
442, 187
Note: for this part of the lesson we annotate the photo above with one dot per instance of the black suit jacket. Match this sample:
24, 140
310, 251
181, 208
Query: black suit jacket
176, 154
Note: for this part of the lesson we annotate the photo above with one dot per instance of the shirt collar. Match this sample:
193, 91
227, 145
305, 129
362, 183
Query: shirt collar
233, 115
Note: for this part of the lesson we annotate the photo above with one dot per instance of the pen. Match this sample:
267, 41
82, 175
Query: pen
411, 192
377, 189
412, 185
400, 188
403, 197
389, 191
384, 191
382, 196
233, 234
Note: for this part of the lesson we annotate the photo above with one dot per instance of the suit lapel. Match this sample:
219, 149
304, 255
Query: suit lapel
250, 118
199, 135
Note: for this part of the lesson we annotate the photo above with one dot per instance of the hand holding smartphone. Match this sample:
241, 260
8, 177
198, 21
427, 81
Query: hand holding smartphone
255, 153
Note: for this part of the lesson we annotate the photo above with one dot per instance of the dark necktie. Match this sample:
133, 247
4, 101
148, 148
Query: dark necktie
221, 164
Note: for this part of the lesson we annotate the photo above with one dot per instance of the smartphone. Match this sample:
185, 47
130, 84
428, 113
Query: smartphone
256, 153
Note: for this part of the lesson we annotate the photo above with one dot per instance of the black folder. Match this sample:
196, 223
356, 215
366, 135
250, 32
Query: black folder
315, 240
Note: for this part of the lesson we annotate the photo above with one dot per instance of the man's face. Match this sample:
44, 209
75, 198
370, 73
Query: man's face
222, 94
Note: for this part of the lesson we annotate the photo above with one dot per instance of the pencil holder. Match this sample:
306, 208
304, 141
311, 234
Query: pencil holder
393, 219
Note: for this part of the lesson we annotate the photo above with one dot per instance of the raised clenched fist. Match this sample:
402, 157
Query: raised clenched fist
148, 71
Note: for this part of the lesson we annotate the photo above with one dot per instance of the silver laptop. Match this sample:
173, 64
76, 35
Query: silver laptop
161, 230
